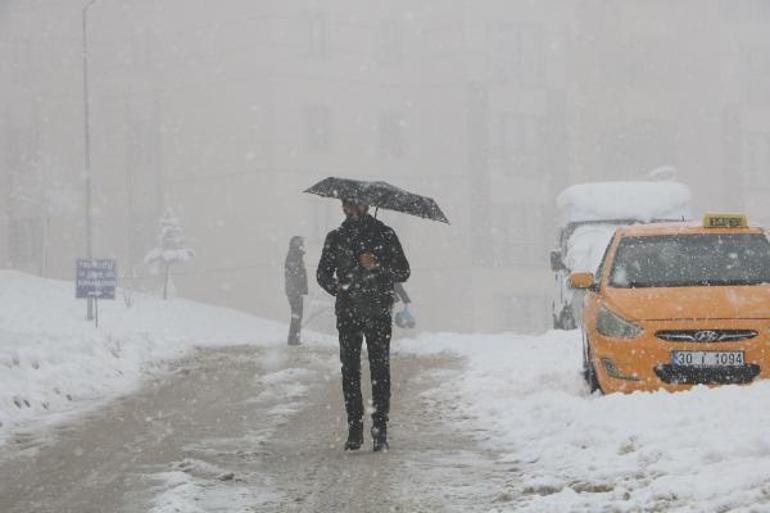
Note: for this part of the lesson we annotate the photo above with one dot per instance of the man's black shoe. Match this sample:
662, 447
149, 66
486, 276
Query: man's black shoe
380, 438
355, 437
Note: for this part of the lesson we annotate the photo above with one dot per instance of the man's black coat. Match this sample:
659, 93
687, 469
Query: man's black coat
361, 292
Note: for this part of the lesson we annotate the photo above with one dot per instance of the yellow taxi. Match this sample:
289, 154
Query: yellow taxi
674, 305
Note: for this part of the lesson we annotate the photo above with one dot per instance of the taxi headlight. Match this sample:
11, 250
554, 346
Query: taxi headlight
611, 325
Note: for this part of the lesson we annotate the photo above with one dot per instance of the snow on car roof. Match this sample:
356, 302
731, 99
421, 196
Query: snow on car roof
639, 201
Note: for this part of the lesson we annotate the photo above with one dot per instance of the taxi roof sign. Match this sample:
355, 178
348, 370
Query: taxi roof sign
723, 220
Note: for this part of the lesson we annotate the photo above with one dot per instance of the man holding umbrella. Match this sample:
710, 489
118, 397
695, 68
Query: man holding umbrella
360, 263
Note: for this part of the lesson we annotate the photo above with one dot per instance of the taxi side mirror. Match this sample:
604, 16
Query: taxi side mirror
581, 281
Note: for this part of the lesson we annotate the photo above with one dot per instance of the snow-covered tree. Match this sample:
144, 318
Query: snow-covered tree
171, 247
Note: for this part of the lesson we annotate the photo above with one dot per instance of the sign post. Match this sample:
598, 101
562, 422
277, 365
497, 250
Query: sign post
96, 278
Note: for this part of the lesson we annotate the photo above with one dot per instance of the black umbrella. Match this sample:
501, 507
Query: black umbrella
380, 195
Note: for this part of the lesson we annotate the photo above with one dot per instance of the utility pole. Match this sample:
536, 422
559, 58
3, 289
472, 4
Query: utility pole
87, 149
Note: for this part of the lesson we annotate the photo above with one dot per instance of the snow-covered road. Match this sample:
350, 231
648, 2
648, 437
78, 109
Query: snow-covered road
480, 424
244, 429
94, 420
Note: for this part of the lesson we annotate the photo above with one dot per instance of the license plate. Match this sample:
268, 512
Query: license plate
707, 358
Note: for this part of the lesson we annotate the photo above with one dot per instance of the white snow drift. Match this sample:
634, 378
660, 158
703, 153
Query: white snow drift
705, 450
52, 361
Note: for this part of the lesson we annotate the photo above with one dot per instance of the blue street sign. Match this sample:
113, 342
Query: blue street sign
96, 278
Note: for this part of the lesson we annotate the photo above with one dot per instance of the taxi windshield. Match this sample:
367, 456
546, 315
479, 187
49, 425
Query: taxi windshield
691, 261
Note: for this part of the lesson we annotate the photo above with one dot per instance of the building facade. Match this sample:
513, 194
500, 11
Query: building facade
227, 114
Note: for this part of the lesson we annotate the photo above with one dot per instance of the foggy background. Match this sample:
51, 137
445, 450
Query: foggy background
225, 111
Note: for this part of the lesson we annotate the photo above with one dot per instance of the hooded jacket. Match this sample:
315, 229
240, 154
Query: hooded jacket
295, 275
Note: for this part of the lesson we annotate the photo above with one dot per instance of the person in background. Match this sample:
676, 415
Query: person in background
295, 277
360, 263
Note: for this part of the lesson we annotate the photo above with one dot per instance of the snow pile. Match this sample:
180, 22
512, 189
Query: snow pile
702, 450
638, 201
200, 487
52, 361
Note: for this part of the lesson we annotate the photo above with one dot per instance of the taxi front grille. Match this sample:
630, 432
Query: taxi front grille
706, 336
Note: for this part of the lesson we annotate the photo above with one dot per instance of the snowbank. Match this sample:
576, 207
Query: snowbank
52, 361
639, 201
703, 450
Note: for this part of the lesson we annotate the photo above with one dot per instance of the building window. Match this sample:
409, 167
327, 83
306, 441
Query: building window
26, 240
392, 129
517, 237
318, 128
523, 313
755, 76
520, 144
322, 215
747, 11
389, 43
517, 53
756, 159
318, 36
143, 136
641, 145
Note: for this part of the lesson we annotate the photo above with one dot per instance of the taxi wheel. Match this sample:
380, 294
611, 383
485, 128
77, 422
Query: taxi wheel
589, 373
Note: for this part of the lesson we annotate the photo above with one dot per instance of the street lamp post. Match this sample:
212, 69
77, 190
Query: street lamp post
87, 148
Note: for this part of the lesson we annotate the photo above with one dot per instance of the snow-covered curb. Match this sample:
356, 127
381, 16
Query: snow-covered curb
52, 362
703, 450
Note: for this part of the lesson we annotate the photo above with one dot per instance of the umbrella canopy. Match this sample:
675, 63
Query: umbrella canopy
380, 195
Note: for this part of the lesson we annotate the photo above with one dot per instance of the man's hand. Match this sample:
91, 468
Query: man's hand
368, 261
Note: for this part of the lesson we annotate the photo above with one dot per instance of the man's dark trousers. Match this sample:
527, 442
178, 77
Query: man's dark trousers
377, 331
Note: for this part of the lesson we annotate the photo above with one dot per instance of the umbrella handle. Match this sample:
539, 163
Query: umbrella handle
376, 210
